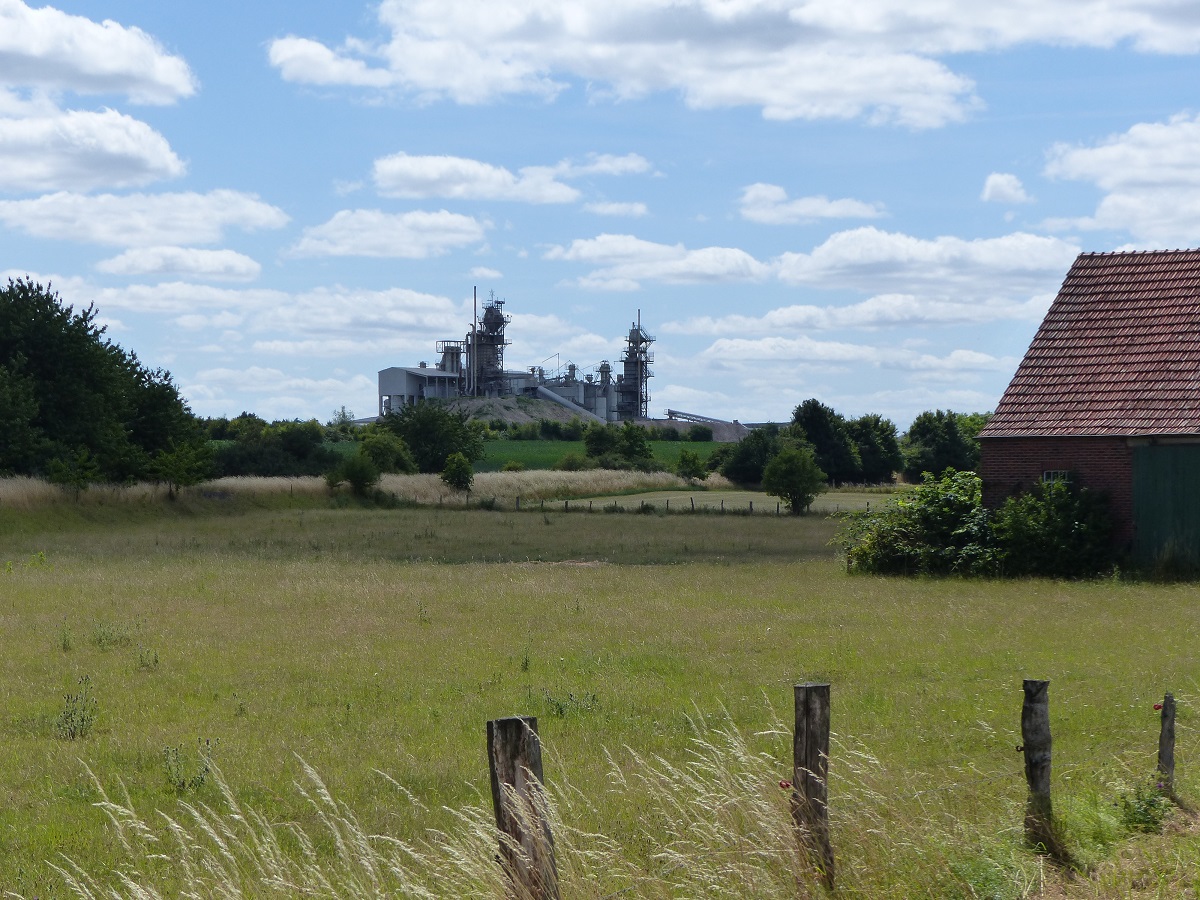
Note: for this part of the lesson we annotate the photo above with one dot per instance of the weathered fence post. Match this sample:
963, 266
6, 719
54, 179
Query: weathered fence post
1166, 746
1035, 733
722, 504
566, 506
751, 507
810, 776
693, 499
526, 845
518, 502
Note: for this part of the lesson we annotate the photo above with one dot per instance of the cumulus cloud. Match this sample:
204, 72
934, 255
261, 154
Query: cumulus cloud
140, 220
807, 350
49, 49
769, 204
186, 262
402, 175
1004, 187
880, 311
370, 232
1149, 176
869, 259
794, 59
52, 149
629, 210
623, 262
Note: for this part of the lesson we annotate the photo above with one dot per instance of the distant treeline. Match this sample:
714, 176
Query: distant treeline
865, 450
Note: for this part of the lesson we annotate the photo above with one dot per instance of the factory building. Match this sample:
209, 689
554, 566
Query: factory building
474, 367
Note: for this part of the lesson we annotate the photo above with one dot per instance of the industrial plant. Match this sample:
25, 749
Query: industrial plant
474, 367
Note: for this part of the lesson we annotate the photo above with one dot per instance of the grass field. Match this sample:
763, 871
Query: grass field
547, 454
269, 629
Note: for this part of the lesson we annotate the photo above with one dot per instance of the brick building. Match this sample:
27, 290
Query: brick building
1108, 395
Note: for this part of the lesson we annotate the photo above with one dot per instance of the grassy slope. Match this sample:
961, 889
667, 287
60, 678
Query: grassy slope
310, 631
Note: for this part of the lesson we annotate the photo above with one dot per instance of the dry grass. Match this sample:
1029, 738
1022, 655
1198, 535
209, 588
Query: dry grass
721, 823
540, 484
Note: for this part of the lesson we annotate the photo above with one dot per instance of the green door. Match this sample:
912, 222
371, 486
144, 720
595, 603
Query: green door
1166, 503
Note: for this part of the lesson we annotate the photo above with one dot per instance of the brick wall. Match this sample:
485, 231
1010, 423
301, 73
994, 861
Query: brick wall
1010, 465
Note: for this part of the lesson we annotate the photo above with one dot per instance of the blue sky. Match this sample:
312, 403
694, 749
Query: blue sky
871, 203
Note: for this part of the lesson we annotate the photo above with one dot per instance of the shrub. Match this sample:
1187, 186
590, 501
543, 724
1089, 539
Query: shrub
359, 471
573, 462
700, 433
794, 477
458, 473
1057, 530
513, 465
690, 466
1054, 530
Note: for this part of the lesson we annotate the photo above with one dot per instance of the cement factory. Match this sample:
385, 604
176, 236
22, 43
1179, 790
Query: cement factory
474, 367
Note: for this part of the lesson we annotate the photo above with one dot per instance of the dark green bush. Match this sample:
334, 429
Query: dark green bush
942, 528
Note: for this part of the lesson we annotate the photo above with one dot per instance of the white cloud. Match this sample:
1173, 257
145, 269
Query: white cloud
401, 175
769, 204
188, 262
625, 261
1004, 187
50, 149
49, 49
140, 220
1150, 179
630, 210
807, 350
877, 59
485, 272
880, 311
370, 232
868, 259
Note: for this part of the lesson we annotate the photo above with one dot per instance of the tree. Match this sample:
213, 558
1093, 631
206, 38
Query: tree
458, 474
690, 466
183, 466
826, 430
433, 432
878, 447
387, 451
749, 457
358, 471
934, 443
66, 390
794, 477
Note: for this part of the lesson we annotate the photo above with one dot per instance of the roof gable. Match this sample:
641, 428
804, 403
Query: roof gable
1117, 354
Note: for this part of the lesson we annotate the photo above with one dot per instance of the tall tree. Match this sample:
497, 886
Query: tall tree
878, 447
826, 430
934, 443
433, 432
68, 390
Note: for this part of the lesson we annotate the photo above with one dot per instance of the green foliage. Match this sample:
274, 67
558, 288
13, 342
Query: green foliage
939, 440
600, 440
624, 447
574, 462
878, 447
73, 471
249, 445
700, 433
826, 430
513, 465
183, 777
78, 713
1054, 530
746, 460
1144, 807
458, 474
794, 477
433, 433
937, 529
183, 466
387, 451
65, 390
942, 528
691, 466
358, 470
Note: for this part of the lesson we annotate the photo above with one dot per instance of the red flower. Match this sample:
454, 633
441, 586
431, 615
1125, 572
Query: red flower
1158, 706
785, 785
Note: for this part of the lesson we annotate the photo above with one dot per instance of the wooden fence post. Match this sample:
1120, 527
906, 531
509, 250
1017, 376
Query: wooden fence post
693, 499
1035, 733
526, 844
810, 776
1166, 746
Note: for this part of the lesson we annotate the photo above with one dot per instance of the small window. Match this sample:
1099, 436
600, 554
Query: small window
1053, 475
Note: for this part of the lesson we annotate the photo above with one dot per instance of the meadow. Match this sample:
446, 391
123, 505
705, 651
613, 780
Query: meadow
547, 454
270, 629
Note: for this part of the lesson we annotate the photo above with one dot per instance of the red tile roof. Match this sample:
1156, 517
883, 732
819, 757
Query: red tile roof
1117, 354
